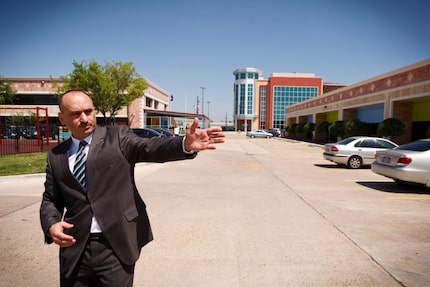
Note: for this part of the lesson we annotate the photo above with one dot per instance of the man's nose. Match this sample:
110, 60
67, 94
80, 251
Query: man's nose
83, 117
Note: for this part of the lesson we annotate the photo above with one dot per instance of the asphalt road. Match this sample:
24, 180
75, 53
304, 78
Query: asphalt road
255, 212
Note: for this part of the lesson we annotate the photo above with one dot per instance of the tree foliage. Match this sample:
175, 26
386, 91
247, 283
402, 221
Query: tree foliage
308, 129
356, 127
7, 94
391, 127
337, 128
111, 86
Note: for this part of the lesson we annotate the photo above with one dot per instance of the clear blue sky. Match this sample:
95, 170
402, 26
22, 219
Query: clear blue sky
184, 45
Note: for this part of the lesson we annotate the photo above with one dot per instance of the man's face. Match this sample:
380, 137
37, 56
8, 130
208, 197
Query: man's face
77, 113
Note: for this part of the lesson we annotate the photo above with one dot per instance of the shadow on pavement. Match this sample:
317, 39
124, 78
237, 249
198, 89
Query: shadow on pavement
393, 187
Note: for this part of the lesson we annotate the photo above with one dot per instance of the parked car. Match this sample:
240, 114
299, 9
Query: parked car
165, 132
408, 163
147, 133
276, 132
259, 134
355, 152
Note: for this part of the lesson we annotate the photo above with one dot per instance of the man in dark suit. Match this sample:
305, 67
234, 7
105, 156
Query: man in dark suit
90, 177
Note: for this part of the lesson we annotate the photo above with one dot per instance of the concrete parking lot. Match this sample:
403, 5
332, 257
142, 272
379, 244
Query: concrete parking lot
255, 212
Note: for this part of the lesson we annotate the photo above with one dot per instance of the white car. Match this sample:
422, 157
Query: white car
354, 152
259, 134
408, 163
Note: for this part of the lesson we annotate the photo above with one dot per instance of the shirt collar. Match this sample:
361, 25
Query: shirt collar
75, 142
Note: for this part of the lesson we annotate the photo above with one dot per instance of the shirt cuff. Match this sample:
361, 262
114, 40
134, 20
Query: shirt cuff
183, 147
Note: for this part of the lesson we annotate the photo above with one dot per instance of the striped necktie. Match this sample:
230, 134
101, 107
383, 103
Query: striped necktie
79, 168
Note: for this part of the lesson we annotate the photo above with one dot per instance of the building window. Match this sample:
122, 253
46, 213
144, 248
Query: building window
284, 96
236, 99
250, 75
250, 99
242, 99
263, 108
156, 105
148, 102
243, 75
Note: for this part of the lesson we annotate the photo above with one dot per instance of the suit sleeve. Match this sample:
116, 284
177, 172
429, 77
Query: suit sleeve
52, 206
156, 149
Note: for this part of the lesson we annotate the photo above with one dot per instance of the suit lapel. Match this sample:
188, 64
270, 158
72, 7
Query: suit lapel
96, 147
63, 157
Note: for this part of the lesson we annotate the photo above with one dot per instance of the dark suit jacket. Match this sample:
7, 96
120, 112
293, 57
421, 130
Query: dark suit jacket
111, 193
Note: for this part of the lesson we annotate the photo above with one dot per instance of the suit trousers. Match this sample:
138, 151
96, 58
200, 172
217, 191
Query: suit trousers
99, 266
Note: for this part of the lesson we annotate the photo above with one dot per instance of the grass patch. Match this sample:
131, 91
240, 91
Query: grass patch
25, 163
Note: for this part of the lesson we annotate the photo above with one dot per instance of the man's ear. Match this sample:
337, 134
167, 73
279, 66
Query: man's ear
60, 117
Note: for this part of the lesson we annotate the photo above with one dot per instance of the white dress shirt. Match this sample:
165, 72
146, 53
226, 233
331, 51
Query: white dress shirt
95, 227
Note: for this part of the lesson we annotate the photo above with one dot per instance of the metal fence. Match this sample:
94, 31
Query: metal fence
27, 139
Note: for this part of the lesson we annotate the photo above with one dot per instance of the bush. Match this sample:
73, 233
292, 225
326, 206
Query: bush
322, 130
391, 127
291, 129
308, 129
356, 127
337, 129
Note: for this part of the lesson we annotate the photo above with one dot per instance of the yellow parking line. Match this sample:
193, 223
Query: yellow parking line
254, 166
407, 198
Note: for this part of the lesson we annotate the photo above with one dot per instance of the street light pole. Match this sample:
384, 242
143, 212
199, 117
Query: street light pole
208, 102
203, 101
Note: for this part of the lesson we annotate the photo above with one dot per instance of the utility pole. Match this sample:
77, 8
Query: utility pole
203, 101
197, 105
208, 102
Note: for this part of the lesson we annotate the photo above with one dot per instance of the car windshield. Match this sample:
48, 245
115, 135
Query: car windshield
416, 146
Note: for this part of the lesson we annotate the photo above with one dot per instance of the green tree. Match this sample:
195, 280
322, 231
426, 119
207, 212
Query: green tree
356, 127
308, 129
390, 128
7, 94
111, 86
291, 129
299, 130
337, 129
322, 128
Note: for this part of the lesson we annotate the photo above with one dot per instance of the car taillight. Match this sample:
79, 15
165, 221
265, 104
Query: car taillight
404, 160
334, 149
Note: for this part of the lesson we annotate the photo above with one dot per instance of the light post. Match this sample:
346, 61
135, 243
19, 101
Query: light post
208, 102
203, 101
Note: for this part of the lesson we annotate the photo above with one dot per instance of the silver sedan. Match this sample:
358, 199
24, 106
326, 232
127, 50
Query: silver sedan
354, 152
259, 134
409, 163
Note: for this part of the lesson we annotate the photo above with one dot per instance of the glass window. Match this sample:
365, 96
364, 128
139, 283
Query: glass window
242, 99
284, 96
243, 75
421, 145
148, 102
250, 76
250, 99
366, 143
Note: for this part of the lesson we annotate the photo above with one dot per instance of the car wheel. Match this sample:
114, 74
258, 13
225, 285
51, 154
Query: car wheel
355, 162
